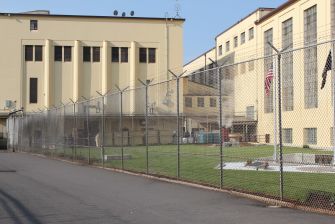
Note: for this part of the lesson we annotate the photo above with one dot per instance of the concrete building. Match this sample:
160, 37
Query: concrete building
51, 58
307, 111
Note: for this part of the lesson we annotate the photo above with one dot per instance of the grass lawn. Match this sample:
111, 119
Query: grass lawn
197, 164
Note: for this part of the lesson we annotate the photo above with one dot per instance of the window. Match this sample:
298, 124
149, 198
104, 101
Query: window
143, 55
96, 54
38, 53
268, 64
33, 25
287, 135
58, 53
310, 136
310, 59
201, 102
227, 46
331, 136
220, 50
188, 101
242, 68
86, 54
33, 90
67, 53
251, 112
152, 55
115, 54
251, 33
124, 54
287, 66
235, 41
251, 65
242, 38
28, 52
212, 102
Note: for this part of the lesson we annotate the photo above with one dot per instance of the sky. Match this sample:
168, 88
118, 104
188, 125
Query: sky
204, 18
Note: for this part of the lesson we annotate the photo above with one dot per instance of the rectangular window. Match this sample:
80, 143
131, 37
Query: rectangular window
87, 54
251, 112
235, 41
287, 135
227, 46
201, 102
124, 54
212, 102
67, 53
38, 53
310, 136
251, 33
143, 55
58, 53
152, 55
220, 50
242, 68
287, 65
242, 38
188, 101
33, 25
251, 65
115, 54
33, 90
310, 58
28, 52
96, 54
268, 64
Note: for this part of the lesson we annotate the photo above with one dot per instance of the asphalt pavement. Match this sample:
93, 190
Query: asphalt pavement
39, 190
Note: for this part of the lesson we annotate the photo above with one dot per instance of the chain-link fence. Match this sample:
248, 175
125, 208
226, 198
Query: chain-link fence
261, 126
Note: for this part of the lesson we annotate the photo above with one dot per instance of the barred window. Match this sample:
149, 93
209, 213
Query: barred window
28, 52
242, 38
201, 102
33, 25
86, 54
67, 53
235, 41
38, 53
211, 72
143, 55
220, 50
124, 54
115, 54
96, 54
310, 58
58, 53
287, 135
251, 112
268, 64
188, 101
212, 102
310, 136
251, 33
287, 65
152, 55
251, 65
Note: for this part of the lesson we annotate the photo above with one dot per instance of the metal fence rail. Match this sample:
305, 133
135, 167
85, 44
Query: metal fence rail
219, 126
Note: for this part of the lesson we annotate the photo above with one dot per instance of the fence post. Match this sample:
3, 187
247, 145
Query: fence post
88, 132
103, 132
333, 89
177, 77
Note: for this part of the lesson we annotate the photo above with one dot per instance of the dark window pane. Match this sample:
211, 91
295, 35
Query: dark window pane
87, 54
143, 55
28, 52
152, 55
33, 25
33, 90
124, 54
67, 53
38, 53
96, 54
115, 54
58, 53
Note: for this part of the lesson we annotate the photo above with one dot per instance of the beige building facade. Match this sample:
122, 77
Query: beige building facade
53, 58
307, 110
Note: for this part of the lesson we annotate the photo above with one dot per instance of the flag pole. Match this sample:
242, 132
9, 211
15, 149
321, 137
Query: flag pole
333, 89
275, 111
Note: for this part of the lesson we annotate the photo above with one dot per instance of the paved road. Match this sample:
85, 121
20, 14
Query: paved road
48, 191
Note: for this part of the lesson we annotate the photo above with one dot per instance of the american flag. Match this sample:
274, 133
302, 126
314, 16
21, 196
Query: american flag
268, 80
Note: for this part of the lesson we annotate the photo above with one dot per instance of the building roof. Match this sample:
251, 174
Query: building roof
199, 56
35, 15
259, 9
277, 10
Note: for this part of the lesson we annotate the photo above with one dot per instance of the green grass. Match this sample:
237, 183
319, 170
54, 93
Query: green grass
197, 164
